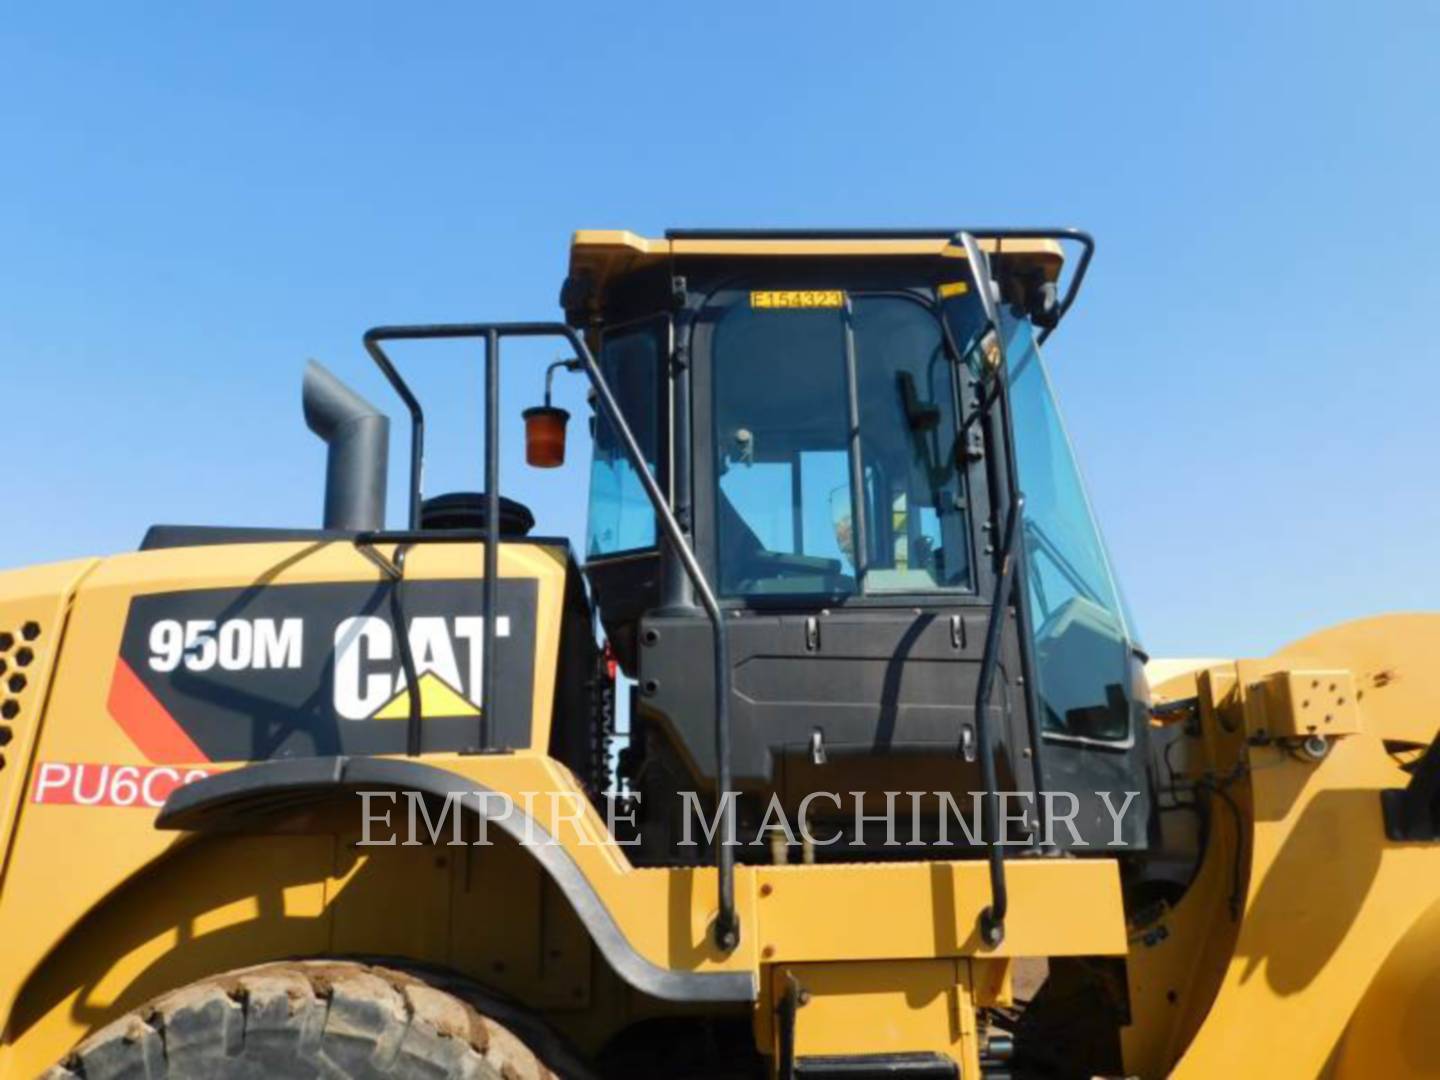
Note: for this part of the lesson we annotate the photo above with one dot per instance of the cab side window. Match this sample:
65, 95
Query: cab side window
621, 518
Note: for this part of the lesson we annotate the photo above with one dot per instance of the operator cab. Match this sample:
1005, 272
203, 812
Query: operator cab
817, 410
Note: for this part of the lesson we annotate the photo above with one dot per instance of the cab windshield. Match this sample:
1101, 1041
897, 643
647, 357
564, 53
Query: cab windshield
825, 402
1077, 615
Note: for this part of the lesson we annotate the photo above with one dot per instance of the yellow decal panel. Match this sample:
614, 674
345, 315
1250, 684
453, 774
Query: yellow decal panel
797, 298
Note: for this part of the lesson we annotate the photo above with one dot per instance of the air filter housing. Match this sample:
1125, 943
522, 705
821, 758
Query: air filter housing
467, 510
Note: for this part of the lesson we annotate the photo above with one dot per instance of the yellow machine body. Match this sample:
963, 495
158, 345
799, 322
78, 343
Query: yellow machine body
1300, 949
101, 912
1302, 944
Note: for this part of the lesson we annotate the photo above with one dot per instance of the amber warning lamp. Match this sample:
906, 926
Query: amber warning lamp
545, 425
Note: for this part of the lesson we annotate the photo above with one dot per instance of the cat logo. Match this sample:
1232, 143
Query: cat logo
449, 660
314, 668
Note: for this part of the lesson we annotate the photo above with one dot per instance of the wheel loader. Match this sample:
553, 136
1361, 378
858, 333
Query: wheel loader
835, 753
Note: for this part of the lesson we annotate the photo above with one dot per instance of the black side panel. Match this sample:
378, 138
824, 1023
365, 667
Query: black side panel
876, 1067
296, 670
1088, 769
878, 682
1412, 813
870, 682
581, 722
625, 587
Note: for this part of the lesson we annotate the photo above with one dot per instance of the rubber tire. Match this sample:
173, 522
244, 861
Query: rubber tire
299, 1019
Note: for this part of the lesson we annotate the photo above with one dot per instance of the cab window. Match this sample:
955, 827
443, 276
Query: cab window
620, 517
791, 384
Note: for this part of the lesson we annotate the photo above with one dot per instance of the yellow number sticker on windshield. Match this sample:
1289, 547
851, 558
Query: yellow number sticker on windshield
954, 288
798, 298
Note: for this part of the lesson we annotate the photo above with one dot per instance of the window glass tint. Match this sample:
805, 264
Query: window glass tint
620, 515
919, 533
1081, 641
780, 437
785, 519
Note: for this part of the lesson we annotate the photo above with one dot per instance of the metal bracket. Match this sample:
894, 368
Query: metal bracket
1413, 812
967, 742
1301, 703
785, 1013
392, 568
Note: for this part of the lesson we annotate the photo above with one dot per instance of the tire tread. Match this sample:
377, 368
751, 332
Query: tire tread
300, 1020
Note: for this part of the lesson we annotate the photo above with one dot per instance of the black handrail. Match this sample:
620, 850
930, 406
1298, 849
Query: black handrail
726, 928
1012, 582
992, 918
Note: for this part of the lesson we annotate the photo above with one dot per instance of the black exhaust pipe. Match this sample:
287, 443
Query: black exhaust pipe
358, 437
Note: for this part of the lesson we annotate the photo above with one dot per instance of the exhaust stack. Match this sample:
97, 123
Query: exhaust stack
357, 435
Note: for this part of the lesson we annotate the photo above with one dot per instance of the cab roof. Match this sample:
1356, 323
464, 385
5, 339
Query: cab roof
602, 255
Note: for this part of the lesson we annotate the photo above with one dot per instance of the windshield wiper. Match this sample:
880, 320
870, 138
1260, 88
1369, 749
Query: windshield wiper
859, 526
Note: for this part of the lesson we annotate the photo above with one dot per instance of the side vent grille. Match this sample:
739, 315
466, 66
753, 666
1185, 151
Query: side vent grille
19, 660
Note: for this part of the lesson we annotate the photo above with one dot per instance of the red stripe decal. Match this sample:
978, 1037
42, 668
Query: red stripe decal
147, 722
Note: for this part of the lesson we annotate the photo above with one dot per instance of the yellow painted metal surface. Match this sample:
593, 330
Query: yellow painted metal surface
891, 1007
1327, 899
1394, 1029
1176, 963
103, 912
588, 241
1301, 702
1317, 971
1314, 971
34, 606
795, 904
602, 255
65, 859
1393, 661
207, 907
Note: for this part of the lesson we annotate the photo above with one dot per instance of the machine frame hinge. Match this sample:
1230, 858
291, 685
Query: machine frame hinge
1412, 813
1302, 704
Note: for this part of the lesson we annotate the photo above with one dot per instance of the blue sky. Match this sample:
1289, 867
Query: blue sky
196, 198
